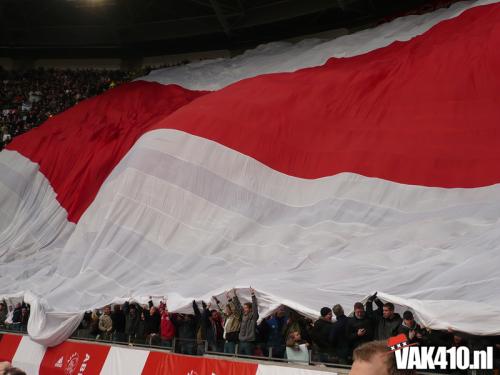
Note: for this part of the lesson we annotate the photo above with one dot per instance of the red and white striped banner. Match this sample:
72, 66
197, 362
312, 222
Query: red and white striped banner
79, 358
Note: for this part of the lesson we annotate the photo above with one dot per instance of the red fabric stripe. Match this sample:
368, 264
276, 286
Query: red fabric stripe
8, 346
422, 112
78, 149
162, 363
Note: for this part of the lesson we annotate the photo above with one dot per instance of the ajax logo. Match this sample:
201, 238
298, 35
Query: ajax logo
72, 364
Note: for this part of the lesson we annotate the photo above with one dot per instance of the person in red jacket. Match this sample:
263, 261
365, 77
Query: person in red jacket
167, 327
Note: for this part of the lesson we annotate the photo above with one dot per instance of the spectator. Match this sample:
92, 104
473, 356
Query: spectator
119, 321
3, 313
106, 324
321, 335
186, 331
297, 350
16, 317
232, 321
14, 371
167, 327
413, 332
94, 325
214, 331
373, 358
249, 319
338, 336
276, 325
132, 319
10, 315
152, 320
25, 315
359, 328
386, 321
299, 323
4, 366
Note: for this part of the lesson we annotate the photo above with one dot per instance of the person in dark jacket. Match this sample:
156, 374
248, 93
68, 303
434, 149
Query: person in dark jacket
152, 320
16, 317
359, 328
338, 336
386, 321
213, 331
132, 318
119, 320
25, 315
276, 325
413, 332
321, 335
3, 313
186, 332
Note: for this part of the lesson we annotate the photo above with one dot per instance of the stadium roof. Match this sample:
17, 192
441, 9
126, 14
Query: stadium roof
149, 27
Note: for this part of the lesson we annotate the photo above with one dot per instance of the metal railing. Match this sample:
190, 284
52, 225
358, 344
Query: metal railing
196, 347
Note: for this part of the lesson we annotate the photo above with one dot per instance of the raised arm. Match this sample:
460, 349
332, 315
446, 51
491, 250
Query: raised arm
237, 304
255, 306
196, 310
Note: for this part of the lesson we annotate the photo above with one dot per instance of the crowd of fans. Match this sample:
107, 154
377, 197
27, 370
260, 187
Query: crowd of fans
234, 328
29, 97
14, 317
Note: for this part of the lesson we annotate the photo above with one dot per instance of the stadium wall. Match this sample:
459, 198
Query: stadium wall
77, 357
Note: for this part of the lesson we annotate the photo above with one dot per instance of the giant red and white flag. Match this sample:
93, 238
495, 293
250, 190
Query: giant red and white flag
318, 173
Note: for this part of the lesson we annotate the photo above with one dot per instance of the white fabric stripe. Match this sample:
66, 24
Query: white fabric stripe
36, 229
287, 57
29, 356
262, 180
33, 232
192, 227
124, 361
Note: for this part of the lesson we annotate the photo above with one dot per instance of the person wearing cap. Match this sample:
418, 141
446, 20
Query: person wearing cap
413, 332
385, 319
321, 335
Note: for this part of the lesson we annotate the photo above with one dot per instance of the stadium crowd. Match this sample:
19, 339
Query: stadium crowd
30, 97
235, 328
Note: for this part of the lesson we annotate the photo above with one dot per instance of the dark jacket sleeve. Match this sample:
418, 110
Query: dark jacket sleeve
374, 315
255, 308
196, 311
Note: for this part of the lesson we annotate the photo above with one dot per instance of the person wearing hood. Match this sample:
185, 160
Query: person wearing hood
386, 321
